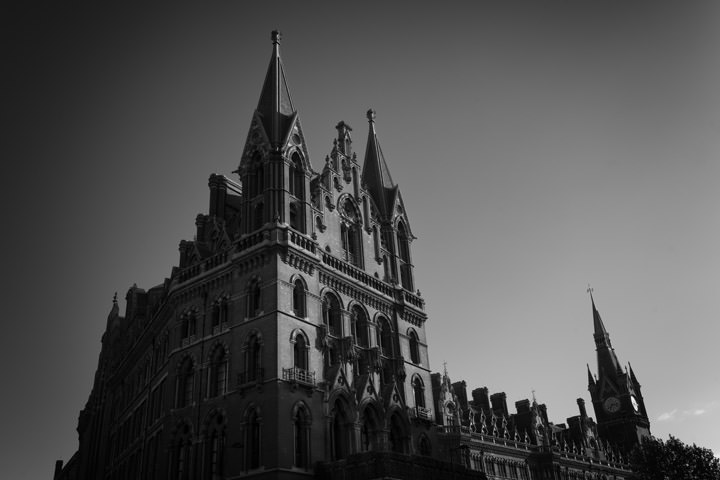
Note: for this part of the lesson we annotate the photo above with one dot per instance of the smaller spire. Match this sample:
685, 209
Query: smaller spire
376, 174
115, 299
591, 381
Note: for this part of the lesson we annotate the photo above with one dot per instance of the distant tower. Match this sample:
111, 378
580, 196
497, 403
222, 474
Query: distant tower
619, 406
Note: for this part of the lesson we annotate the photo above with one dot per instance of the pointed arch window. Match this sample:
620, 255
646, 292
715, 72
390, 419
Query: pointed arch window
259, 180
301, 427
297, 177
214, 447
186, 383
403, 240
300, 351
384, 337
253, 359
258, 216
370, 429
332, 315
252, 440
414, 346
298, 299
218, 372
181, 454
397, 435
187, 327
360, 326
340, 431
254, 301
418, 391
351, 234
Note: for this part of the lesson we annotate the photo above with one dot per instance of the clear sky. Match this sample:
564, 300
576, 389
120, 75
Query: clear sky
539, 146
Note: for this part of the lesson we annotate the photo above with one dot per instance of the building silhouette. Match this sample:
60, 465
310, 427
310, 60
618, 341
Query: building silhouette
289, 342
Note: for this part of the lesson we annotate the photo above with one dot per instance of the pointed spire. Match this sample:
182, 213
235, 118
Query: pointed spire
591, 380
376, 174
633, 378
607, 360
275, 106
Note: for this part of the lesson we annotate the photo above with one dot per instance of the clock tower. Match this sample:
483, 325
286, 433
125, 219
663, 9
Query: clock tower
619, 407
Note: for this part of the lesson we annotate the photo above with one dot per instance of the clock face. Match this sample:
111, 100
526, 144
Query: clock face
634, 402
611, 404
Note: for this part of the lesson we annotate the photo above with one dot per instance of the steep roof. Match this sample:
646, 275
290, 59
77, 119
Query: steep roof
376, 175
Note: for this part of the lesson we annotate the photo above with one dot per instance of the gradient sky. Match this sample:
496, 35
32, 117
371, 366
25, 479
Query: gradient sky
539, 146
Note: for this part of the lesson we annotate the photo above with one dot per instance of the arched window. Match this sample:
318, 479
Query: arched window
214, 446
218, 372
298, 299
301, 427
254, 300
397, 435
297, 177
403, 240
187, 327
295, 218
340, 431
418, 391
360, 326
384, 337
300, 351
370, 429
258, 217
351, 234
414, 347
259, 180
181, 454
331, 315
186, 383
253, 359
424, 446
252, 440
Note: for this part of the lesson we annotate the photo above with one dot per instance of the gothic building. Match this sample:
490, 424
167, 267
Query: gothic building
289, 342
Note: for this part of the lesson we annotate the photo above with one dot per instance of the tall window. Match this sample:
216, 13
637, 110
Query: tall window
414, 347
258, 218
254, 299
186, 382
301, 427
187, 325
397, 434
331, 315
360, 326
295, 218
213, 456
351, 234
340, 431
300, 352
299, 298
181, 454
384, 337
218, 372
403, 240
419, 392
370, 429
297, 177
253, 359
252, 440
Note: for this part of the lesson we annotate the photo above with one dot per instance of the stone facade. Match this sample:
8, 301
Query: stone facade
290, 342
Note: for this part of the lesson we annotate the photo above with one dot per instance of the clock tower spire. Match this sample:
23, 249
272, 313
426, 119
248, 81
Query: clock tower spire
619, 406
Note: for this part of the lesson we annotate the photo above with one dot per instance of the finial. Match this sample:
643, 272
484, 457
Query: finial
115, 299
533, 394
276, 37
371, 115
590, 290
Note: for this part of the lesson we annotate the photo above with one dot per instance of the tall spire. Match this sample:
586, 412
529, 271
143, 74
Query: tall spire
275, 106
607, 360
376, 174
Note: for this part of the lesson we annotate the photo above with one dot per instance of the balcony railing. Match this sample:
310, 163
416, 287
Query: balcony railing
299, 375
422, 412
250, 376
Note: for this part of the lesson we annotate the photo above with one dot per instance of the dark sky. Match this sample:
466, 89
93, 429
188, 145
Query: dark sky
539, 146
